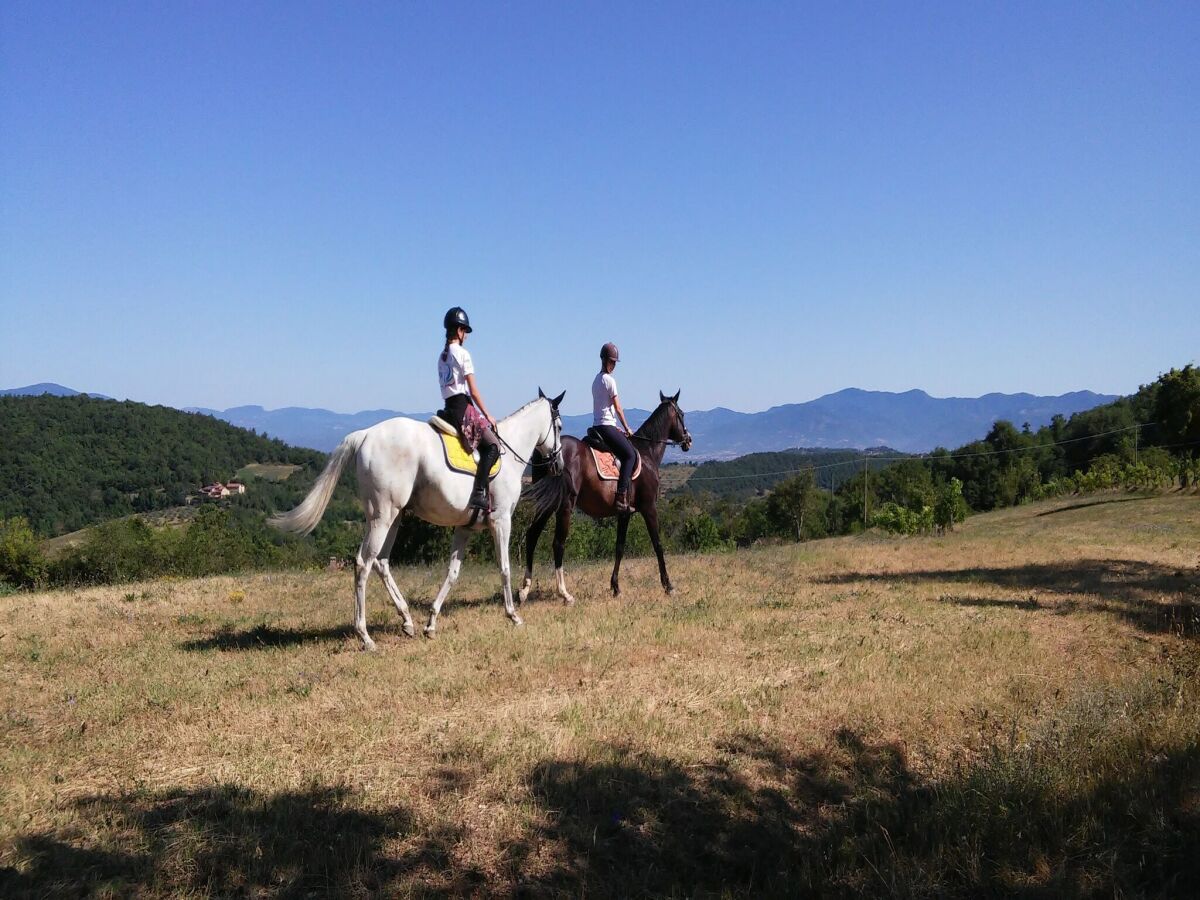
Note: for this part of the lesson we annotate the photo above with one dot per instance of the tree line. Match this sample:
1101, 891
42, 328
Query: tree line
1148, 440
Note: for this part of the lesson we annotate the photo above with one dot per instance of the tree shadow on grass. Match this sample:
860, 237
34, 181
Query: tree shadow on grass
759, 821
232, 842
1090, 503
856, 821
1155, 598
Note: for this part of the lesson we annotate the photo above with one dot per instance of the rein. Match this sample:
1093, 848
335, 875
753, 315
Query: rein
553, 457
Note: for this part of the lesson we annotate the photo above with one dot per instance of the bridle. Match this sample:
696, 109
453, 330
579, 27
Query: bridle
553, 460
687, 438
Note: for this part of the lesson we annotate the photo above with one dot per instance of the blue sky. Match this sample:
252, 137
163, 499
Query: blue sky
761, 203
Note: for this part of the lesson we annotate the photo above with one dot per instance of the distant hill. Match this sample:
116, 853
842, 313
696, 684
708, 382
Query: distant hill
69, 462
912, 422
46, 387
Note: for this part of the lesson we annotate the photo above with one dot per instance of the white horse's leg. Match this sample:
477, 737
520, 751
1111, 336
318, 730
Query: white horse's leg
384, 568
457, 550
560, 581
377, 534
501, 527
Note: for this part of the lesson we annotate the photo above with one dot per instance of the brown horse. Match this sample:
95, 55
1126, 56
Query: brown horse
579, 485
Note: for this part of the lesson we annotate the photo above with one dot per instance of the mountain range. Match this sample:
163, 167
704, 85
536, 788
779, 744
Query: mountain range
912, 421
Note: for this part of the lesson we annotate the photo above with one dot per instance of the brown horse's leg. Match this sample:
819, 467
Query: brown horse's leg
622, 530
650, 514
531, 539
562, 528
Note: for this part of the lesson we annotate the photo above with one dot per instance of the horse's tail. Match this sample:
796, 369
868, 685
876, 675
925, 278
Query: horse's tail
304, 518
547, 494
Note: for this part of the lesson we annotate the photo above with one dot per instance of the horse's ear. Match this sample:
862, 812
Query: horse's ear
541, 396
662, 397
675, 399
557, 400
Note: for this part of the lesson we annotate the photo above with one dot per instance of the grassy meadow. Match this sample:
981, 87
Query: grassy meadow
1010, 709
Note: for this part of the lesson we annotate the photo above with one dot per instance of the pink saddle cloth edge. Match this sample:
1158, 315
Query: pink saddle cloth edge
609, 467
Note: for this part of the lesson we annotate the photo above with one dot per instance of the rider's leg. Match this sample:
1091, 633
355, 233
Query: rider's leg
489, 452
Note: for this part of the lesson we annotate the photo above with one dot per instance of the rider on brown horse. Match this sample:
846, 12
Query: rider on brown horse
606, 409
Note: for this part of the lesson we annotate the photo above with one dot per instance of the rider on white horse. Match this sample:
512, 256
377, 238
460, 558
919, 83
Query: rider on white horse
456, 375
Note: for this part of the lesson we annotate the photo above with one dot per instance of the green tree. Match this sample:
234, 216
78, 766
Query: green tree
21, 561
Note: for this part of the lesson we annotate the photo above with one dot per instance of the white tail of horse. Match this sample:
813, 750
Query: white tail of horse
305, 517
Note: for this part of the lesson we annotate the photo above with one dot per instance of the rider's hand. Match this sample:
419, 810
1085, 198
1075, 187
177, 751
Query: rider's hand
492, 422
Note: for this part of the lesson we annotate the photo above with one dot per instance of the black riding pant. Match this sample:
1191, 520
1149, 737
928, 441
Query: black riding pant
489, 445
623, 450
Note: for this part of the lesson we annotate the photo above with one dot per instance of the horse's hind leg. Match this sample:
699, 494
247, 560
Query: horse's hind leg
531, 539
384, 568
457, 550
622, 530
562, 528
376, 537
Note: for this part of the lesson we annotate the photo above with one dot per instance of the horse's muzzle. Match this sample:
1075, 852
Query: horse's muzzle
686, 444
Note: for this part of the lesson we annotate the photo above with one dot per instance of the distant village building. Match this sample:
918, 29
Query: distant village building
220, 491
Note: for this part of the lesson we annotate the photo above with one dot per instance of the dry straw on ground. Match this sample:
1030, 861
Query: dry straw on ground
1007, 708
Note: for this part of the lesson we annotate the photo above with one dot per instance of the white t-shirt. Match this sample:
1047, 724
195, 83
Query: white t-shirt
604, 391
453, 370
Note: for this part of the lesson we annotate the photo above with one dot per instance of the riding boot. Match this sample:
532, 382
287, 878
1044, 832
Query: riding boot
622, 503
479, 494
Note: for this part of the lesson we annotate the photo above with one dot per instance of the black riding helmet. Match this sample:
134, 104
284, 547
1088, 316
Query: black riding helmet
456, 317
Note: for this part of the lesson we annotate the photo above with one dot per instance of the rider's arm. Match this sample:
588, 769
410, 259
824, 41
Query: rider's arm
479, 400
621, 414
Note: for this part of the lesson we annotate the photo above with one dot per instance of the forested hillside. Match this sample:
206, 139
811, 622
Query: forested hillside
69, 462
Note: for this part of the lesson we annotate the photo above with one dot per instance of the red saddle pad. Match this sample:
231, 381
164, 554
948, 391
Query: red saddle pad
609, 466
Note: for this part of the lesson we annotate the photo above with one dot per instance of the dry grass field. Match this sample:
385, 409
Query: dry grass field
1011, 709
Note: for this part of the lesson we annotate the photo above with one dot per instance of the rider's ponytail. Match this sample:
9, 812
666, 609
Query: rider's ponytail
451, 334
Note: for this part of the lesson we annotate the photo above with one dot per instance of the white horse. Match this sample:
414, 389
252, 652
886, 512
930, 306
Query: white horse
402, 468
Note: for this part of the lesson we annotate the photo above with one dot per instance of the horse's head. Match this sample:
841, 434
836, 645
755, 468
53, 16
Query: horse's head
676, 428
550, 444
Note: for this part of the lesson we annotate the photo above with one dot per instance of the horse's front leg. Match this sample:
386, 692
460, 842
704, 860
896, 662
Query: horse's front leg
622, 531
501, 528
531, 539
458, 549
562, 528
650, 514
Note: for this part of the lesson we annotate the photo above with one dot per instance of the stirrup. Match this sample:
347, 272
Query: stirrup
622, 502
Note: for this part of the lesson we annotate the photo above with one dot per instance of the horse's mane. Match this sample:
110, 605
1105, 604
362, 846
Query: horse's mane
655, 427
522, 409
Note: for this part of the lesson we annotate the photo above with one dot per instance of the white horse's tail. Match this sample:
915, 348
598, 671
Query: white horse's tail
304, 518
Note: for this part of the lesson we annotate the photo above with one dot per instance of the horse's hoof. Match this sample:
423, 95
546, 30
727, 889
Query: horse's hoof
368, 645
523, 594
409, 629
616, 591
568, 600
518, 621
430, 631
669, 589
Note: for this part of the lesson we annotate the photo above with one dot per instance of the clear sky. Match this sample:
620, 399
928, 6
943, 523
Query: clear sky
274, 203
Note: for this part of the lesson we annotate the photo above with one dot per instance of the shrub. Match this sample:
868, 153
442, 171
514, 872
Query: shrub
21, 561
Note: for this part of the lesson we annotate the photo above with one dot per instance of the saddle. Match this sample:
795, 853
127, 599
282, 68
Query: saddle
458, 459
608, 467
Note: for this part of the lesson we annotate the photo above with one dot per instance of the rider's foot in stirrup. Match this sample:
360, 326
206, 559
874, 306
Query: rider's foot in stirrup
479, 499
622, 503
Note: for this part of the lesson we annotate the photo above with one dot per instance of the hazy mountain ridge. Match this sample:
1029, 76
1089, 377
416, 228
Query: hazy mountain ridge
911, 421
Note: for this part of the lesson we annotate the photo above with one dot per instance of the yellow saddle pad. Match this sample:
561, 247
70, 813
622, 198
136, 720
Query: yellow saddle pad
458, 459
